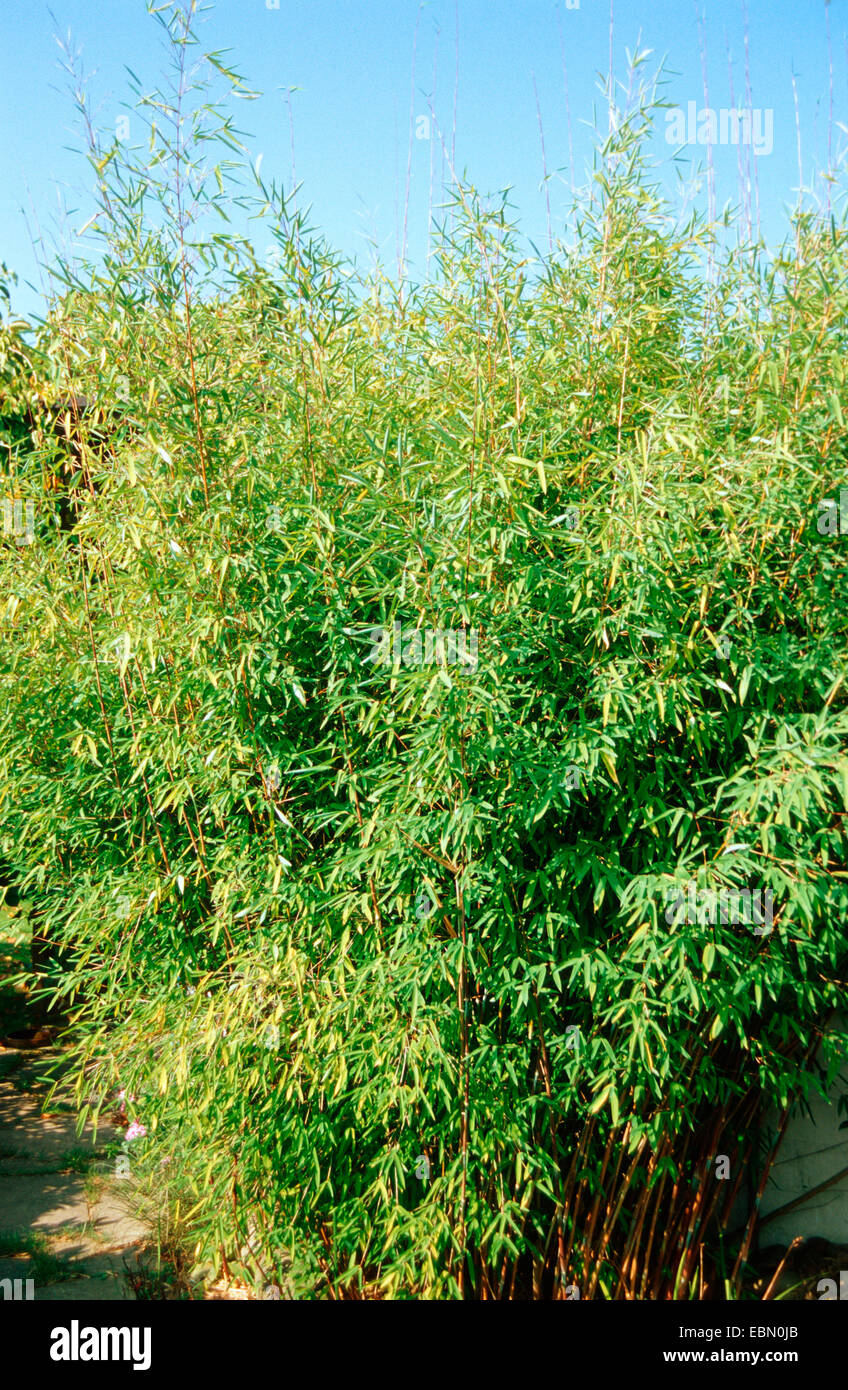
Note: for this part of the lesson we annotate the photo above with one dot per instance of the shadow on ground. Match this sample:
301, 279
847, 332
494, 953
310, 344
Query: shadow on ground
61, 1225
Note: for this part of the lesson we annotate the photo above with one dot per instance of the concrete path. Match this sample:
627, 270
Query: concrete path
62, 1223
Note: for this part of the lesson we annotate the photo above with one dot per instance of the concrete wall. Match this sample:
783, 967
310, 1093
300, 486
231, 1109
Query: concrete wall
813, 1150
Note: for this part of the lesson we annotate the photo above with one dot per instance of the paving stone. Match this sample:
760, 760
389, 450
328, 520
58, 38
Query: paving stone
36, 1198
24, 1130
16, 1267
111, 1290
45, 1203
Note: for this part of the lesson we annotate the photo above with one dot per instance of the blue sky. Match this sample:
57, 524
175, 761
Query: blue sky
352, 63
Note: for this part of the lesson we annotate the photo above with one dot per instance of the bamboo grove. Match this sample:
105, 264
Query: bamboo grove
380, 948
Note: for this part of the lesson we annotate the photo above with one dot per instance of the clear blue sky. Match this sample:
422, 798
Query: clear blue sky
352, 61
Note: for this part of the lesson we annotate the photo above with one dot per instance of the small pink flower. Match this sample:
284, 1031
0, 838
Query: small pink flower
135, 1131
